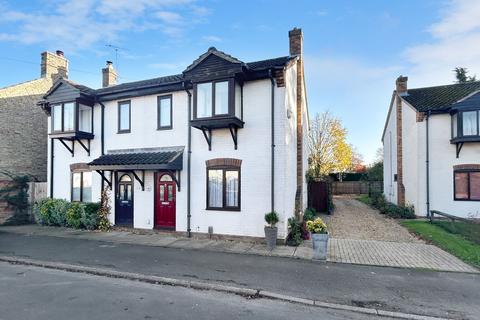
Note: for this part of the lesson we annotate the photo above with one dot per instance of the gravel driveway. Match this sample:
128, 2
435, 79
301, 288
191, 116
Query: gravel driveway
353, 219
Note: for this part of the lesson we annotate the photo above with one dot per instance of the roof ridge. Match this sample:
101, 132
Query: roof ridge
446, 85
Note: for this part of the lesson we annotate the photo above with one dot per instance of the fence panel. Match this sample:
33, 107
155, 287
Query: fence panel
37, 191
356, 187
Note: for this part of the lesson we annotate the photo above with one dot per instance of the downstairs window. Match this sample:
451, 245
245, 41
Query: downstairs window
223, 184
467, 185
82, 186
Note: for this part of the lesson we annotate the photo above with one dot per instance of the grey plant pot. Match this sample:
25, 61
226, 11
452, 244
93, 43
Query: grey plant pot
271, 237
320, 245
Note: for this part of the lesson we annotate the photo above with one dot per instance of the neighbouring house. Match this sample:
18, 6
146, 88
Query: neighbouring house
210, 150
431, 145
23, 126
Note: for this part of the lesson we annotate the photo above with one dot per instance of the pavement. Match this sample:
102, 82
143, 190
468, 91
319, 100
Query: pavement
410, 291
365, 252
41, 294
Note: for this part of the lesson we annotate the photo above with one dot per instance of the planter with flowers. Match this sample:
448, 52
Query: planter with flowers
271, 230
318, 229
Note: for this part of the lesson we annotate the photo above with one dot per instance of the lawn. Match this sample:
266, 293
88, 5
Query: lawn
365, 199
460, 239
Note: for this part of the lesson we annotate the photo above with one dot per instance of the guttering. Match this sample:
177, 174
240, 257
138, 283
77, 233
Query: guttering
51, 167
189, 158
427, 165
272, 175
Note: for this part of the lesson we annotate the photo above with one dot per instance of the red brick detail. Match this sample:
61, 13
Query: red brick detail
296, 48
401, 85
420, 116
79, 167
467, 167
224, 162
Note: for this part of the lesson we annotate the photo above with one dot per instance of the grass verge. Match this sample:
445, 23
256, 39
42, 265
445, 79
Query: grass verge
454, 243
365, 199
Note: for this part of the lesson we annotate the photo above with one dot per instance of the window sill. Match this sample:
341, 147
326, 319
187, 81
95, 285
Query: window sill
164, 128
223, 209
71, 135
468, 200
123, 131
465, 139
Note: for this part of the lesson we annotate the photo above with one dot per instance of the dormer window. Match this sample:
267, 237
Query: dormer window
213, 99
465, 125
64, 117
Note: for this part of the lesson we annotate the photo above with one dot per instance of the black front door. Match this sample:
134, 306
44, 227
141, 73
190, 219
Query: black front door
124, 201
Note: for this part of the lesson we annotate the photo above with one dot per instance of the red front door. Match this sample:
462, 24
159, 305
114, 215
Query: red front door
164, 201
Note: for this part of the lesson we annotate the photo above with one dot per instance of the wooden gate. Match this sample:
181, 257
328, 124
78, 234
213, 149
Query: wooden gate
318, 195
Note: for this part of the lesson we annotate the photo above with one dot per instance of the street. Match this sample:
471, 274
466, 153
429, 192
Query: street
36, 293
441, 294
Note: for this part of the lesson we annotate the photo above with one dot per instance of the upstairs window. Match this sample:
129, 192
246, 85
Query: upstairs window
63, 117
213, 98
85, 118
465, 124
164, 112
124, 114
467, 185
82, 186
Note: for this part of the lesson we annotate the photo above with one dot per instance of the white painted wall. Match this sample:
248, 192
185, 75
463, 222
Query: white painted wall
390, 156
254, 149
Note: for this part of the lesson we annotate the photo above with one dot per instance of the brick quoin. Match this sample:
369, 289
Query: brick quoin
401, 89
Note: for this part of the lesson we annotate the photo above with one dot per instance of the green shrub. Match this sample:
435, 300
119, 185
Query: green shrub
295, 232
51, 212
104, 211
309, 214
379, 202
271, 218
90, 216
74, 215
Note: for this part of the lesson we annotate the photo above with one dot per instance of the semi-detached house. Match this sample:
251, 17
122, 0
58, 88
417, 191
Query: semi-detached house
209, 150
431, 145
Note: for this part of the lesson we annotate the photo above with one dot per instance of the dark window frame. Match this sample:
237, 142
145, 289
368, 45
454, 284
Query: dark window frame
159, 99
129, 102
467, 171
231, 98
75, 117
81, 172
459, 124
224, 207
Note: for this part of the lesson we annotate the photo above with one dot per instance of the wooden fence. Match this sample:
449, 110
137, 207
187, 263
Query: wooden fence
357, 187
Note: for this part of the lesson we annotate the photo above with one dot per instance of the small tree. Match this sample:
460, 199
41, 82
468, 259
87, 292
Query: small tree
462, 77
329, 151
104, 212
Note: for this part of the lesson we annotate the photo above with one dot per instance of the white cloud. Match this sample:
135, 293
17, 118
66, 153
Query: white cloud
169, 17
80, 24
455, 43
211, 38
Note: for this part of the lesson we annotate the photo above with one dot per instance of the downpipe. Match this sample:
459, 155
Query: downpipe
189, 159
427, 165
272, 99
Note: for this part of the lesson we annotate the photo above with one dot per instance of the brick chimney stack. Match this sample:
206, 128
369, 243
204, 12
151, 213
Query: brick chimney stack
296, 49
109, 75
54, 65
401, 85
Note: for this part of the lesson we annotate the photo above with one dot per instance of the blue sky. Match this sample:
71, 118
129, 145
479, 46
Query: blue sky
354, 50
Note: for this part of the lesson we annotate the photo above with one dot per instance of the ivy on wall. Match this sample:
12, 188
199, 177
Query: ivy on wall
15, 194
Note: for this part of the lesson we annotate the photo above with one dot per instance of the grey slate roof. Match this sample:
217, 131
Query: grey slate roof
176, 78
212, 50
136, 158
472, 101
439, 98
269, 63
84, 89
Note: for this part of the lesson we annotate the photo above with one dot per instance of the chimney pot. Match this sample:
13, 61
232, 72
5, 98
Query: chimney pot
59, 53
109, 63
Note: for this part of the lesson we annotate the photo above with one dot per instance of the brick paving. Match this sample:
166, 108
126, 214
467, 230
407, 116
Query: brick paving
394, 254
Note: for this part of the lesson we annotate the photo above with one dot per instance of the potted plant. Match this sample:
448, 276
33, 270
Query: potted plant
271, 230
318, 229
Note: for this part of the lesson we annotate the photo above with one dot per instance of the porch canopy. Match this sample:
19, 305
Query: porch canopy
169, 159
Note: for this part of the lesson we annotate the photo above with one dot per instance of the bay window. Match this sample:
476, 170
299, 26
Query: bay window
467, 185
214, 99
64, 118
465, 124
85, 118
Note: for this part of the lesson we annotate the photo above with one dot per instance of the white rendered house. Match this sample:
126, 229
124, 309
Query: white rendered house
431, 145
209, 150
